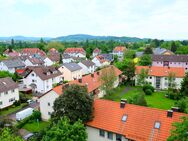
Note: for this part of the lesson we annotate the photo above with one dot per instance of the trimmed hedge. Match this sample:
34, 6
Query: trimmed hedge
148, 92
145, 87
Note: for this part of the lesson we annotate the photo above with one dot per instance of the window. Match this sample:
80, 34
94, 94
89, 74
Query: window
165, 78
110, 135
157, 125
49, 113
48, 103
6, 93
12, 99
124, 118
33, 80
13, 90
1, 102
150, 77
118, 137
32, 74
101, 133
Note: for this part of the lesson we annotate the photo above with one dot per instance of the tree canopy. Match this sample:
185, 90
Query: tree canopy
6, 134
145, 60
180, 131
184, 86
75, 103
65, 131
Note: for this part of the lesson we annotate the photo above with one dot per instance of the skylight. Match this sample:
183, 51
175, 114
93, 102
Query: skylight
157, 125
124, 118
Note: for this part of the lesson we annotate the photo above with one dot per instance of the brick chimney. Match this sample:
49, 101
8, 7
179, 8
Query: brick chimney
123, 103
169, 113
80, 80
98, 72
92, 75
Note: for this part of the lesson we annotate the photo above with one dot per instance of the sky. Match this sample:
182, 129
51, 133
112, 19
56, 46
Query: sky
162, 19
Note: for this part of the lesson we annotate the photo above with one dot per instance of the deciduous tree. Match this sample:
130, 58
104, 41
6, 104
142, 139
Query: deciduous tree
6, 134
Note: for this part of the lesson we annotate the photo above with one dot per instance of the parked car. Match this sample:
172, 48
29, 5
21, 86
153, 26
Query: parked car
23, 114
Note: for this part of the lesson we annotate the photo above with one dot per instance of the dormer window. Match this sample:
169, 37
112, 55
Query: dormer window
157, 125
48, 73
54, 72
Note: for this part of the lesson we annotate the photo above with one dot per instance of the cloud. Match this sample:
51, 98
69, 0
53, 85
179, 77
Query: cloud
156, 19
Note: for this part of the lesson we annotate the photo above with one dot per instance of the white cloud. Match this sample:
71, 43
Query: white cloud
146, 18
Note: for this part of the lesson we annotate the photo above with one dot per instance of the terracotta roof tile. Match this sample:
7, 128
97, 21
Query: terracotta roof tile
58, 89
75, 50
140, 121
31, 51
161, 71
119, 48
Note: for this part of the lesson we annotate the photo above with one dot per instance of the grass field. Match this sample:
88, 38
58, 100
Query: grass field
12, 109
156, 100
35, 126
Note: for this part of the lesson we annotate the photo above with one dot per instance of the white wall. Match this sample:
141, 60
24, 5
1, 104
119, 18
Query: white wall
42, 85
5, 97
93, 135
48, 62
46, 104
3, 67
86, 70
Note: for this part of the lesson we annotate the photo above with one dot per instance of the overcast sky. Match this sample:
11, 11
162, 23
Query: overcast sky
163, 19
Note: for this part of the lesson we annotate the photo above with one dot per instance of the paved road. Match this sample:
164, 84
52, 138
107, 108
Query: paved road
32, 105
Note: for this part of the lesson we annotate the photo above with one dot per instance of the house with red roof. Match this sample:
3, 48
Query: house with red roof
96, 52
119, 51
75, 52
100, 61
158, 76
11, 53
91, 81
32, 51
120, 121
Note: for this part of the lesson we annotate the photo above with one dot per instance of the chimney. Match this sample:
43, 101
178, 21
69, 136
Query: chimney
80, 80
123, 103
92, 75
98, 72
175, 109
169, 113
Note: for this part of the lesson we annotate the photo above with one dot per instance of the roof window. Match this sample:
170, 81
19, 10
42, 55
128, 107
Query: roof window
157, 125
124, 118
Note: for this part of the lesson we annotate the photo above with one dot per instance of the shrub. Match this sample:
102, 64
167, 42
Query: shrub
17, 103
138, 99
148, 92
36, 115
145, 87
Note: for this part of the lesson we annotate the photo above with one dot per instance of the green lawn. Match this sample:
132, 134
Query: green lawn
35, 126
156, 100
12, 109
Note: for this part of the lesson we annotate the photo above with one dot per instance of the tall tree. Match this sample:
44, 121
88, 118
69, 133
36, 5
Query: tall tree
173, 47
6, 134
148, 50
12, 43
171, 80
180, 131
107, 79
65, 131
74, 103
145, 60
142, 77
184, 86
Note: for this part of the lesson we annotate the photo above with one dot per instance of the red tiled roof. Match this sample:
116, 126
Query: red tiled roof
75, 50
58, 89
161, 71
140, 121
119, 48
93, 83
97, 50
101, 59
20, 71
31, 51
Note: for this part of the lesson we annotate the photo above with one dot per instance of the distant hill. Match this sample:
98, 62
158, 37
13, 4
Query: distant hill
75, 38
84, 37
23, 38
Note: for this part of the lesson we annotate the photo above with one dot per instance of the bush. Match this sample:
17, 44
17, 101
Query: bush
148, 92
145, 87
36, 115
23, 98
17, 103
138, 99
173, 94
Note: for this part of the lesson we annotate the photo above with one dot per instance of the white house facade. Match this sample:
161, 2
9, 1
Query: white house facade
8, 92
87, 66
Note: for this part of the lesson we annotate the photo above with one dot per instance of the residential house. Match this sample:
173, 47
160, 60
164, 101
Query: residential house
87, 66
11, 53
96, 52
119, 51
8, 92
41, 78
66, 58
54, 55
170, 61
11, 65
158, 76
120, 121
53, 51
71, 71
162, 51
91, 81
100, 61
75, 52
32, 51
